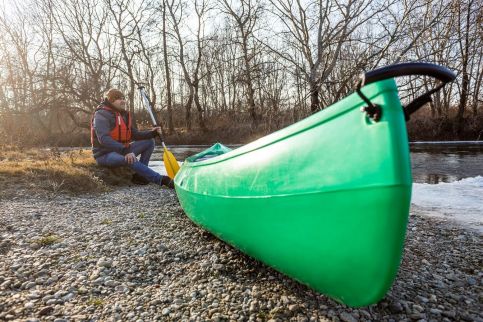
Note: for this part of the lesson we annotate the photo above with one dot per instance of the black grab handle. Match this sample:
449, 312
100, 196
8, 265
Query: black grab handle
408, 69
443, 74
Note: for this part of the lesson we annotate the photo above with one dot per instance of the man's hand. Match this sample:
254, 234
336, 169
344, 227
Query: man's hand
130, 158
158, 129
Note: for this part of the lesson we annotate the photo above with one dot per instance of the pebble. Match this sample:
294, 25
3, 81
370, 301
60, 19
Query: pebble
435, 311
30, 285
472, 281
45, 311
418, 308
122, 258
104, 263
29, 305
34, 295
347, 317
396, 307
111, 283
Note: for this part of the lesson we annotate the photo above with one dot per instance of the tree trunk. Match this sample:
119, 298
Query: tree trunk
476, 94
314, 98
187, 108
465, 83
168, 76
201, 121
460, 120
249, 83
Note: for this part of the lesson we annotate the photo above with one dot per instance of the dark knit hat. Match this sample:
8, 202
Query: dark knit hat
114, 94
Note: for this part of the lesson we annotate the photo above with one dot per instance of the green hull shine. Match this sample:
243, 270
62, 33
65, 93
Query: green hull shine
325, 200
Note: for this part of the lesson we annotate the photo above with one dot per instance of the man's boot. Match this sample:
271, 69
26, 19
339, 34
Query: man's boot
166, 181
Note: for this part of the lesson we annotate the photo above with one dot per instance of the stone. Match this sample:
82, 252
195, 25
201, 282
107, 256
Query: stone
29, 305
34, 295
47, 310
104, 263
449, 314
417, 316
418, 308
111, 283
435, 311
395, 307
68, 297
471, 281
347, 317
29, 285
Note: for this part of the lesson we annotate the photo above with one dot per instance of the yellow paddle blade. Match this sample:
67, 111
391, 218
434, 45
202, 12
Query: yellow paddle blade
170, 163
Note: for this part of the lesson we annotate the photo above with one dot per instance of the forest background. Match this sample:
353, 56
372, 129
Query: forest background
228, 71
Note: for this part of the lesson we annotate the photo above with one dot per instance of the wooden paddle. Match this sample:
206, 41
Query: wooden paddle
170, 162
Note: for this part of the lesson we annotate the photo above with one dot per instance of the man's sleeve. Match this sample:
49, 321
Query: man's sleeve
103, 133
142, 135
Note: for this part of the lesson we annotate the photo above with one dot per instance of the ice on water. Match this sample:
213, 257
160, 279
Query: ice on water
461, 200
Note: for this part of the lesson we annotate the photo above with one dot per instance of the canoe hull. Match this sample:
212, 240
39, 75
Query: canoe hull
335, 221
295, 235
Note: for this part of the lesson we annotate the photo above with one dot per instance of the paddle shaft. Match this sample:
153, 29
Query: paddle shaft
147, 104
170, 161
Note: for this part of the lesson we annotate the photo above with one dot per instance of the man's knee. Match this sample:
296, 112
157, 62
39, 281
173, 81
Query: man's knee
111, 160
152, 143
147, 144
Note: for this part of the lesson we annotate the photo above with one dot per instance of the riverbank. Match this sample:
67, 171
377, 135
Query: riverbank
132, 254
48, 172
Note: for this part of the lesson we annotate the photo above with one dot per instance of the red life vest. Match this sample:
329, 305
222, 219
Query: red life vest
121, 132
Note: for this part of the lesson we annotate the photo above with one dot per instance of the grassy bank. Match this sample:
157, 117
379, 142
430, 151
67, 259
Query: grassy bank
48, 171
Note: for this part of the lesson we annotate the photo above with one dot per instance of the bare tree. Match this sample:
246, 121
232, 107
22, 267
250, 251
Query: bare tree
82, 27
465, 12
192, 78
164, 33
317, 30
125, 20
245, 17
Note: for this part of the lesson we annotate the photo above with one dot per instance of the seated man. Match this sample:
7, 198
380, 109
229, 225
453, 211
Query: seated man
112, 134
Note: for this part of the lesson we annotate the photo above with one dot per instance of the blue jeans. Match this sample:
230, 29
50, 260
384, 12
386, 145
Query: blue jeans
144, 148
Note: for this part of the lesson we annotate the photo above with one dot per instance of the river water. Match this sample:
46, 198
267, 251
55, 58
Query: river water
448, 178
448, 181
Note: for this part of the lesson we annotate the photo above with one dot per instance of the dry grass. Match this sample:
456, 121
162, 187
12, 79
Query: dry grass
95, 301
424, 127
47, 240
50, 171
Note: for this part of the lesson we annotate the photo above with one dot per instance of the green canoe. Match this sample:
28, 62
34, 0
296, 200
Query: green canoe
325, 200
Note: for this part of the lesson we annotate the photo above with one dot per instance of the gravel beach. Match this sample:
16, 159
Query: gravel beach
132, 255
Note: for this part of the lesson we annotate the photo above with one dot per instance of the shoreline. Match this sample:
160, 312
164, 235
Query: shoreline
103, 257
237, 144
448, 220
